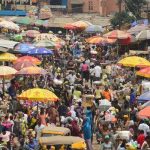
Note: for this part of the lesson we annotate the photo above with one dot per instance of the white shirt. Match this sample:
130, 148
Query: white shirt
71, 78
38, 130
144, 127
97, 71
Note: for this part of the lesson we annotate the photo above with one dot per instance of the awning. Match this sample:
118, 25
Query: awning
76, 2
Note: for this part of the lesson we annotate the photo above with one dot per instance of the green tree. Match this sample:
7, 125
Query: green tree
135, 6
121, 18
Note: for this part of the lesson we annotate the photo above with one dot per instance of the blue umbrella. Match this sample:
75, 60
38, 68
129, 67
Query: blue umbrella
144, 97
40, 51
23, 47
94, 29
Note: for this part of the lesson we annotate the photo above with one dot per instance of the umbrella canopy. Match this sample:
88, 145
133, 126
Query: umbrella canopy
45, 43
18, 37
145, 104
39, 22
144, 97
9, 25
94, 29
7, 57
21, 65
145, 72
143, 35
28, 58
144, 112
81, 24
32, 33
117, 34
6, 71
104, 105
40, 51
23, 47
100, 40
47, 36
138, 28
134, 61
32, 71
24, 20
70, 27
38, 95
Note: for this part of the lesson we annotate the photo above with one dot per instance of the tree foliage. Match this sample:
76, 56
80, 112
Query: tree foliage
121, 18
135, 6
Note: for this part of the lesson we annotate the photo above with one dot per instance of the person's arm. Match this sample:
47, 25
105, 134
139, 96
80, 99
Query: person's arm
102, 147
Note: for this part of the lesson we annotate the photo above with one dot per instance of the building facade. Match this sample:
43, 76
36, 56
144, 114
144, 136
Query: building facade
103, 7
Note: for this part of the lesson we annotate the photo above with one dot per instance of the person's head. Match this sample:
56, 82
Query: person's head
141, 132
106, 139
11, 117
106, 88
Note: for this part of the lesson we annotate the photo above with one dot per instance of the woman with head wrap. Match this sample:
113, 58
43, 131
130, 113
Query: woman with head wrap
87, 133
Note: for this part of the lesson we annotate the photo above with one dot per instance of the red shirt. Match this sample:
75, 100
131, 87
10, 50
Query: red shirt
140, 139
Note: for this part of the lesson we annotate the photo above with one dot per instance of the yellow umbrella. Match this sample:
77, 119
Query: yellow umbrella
6, 72
134, 61
38, 95
81, 24
7, 57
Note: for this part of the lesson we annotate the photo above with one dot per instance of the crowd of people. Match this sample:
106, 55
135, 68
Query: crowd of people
74, 79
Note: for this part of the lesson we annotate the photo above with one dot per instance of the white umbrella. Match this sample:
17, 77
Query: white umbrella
143, 35
9, 25
104, 105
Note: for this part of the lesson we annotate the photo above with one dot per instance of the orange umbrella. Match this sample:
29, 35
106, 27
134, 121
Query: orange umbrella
32, 71
70, 27
28, 58
144, 112
117, 34
98, 40
145, 72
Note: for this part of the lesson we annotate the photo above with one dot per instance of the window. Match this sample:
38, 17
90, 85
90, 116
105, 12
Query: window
90, 5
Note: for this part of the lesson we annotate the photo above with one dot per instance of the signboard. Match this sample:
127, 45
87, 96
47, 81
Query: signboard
58, 6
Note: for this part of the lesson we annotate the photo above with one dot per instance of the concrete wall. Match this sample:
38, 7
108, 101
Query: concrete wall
103, 7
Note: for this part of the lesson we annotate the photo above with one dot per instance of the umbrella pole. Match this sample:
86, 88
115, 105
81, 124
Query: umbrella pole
3, 86
37, 108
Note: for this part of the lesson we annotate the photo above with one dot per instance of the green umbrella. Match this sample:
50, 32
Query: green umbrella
39, 22
25, 20
18, 37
